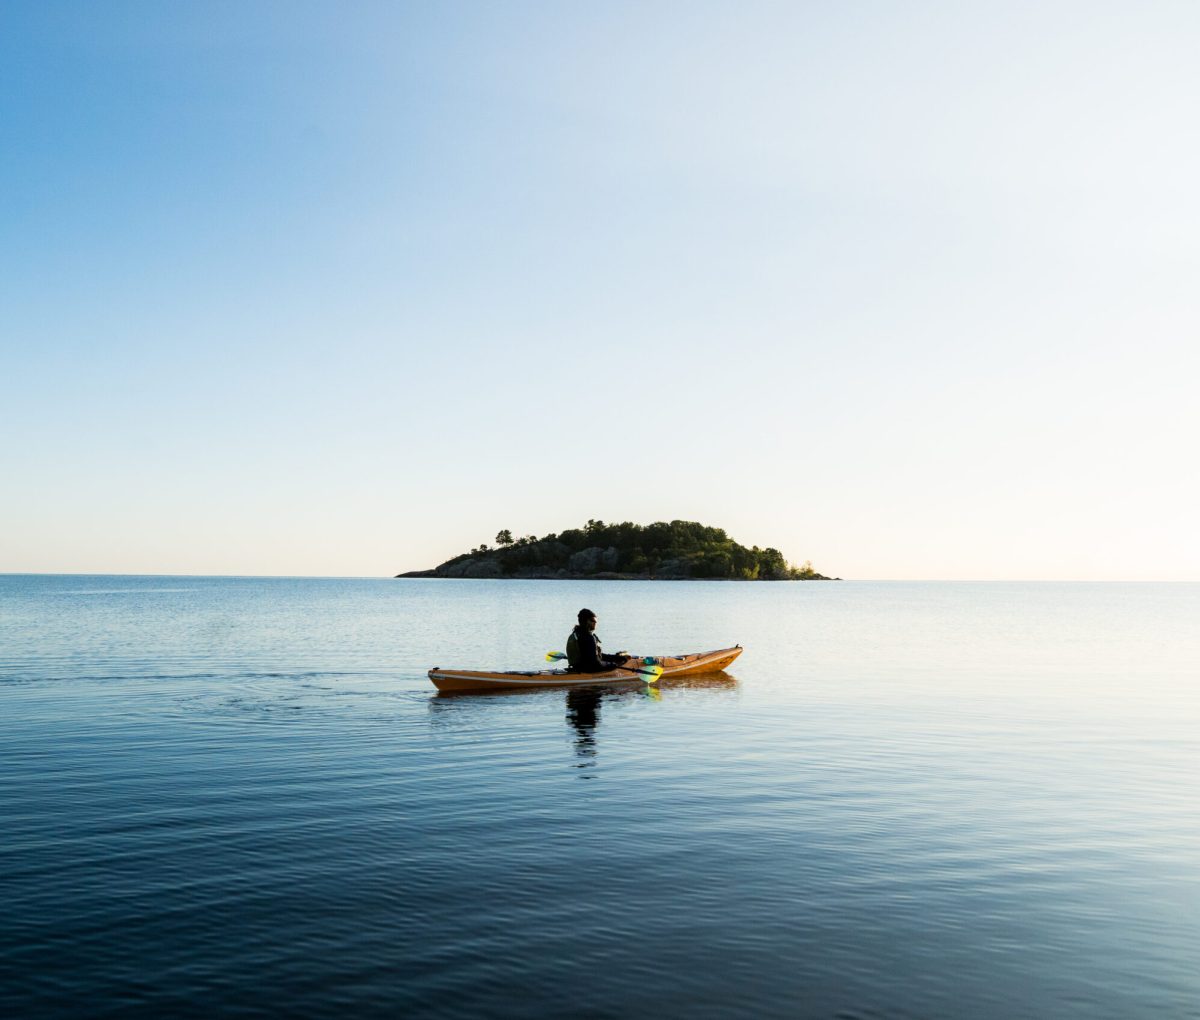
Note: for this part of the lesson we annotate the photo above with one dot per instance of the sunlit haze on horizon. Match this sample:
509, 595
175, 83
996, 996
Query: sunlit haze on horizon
316, 289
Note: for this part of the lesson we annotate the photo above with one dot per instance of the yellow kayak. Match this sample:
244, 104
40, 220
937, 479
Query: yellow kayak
672, 665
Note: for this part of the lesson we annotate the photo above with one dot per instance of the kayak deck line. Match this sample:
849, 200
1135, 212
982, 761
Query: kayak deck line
672, 665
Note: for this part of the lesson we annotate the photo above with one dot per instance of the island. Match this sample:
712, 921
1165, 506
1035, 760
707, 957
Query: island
675, 550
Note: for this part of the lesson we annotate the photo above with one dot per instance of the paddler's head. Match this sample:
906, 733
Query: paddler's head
587, 619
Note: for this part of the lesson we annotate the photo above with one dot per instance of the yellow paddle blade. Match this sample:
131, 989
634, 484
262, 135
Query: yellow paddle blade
555, 656
653, 674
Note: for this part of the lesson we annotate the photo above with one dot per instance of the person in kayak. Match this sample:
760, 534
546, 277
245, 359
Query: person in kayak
583, 648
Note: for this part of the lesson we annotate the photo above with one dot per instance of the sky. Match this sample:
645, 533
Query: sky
908, 290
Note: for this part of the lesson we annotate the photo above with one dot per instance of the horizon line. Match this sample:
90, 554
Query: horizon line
706, 580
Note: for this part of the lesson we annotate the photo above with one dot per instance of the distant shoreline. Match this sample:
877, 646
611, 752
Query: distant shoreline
662, 551
433, 574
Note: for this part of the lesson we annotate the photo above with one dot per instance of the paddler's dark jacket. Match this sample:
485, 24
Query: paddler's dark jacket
584, 655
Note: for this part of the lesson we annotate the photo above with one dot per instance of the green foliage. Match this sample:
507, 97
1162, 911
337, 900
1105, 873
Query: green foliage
661, 549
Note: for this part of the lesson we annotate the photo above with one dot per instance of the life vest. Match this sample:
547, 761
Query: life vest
575, 654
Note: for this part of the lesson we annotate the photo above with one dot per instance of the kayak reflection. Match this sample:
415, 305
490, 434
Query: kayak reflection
583, 704
583, 714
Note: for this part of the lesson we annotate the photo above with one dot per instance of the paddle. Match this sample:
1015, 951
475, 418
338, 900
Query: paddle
651, 673
558, 656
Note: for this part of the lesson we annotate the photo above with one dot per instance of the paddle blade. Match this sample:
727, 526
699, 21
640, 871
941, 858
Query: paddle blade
653, 674
555, 656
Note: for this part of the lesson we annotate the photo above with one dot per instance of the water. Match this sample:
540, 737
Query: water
906, 800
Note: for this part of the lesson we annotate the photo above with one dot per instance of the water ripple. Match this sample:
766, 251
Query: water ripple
245, 797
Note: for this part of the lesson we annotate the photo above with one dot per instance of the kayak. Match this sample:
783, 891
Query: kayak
672, 665
639, 665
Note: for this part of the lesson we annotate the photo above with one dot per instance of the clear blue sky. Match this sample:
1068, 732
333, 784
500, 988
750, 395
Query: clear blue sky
909, 290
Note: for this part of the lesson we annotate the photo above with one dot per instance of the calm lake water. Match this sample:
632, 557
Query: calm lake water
904, 800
